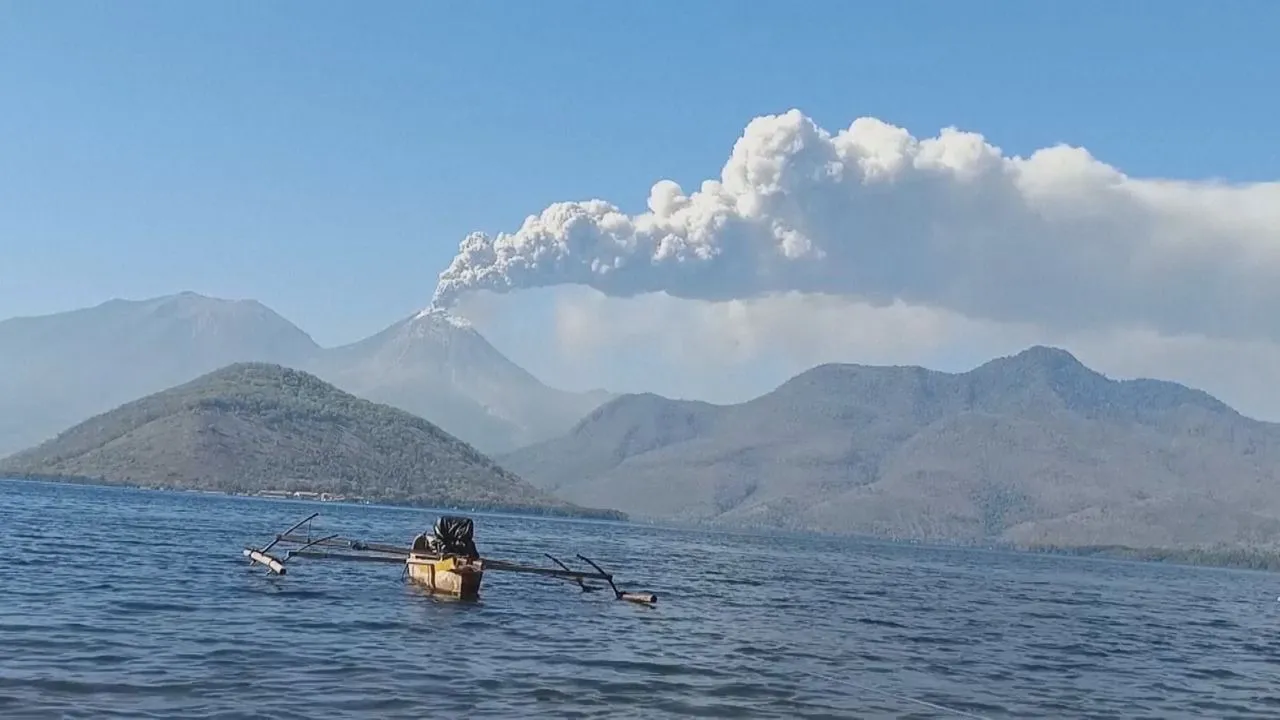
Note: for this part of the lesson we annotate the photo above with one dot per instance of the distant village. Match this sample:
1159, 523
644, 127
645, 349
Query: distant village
306, 495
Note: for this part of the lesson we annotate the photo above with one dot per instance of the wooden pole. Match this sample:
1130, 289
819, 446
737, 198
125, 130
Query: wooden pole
260, 556
291, 553
505, 566
585, 587
326, 555
299, 524
645, 598
336, 541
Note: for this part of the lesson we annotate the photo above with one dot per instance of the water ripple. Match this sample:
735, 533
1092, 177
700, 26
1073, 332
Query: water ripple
155, 614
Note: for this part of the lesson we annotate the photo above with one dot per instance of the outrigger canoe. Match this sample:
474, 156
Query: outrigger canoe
444, 561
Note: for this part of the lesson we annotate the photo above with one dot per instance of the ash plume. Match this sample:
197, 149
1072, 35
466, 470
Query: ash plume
1058, 238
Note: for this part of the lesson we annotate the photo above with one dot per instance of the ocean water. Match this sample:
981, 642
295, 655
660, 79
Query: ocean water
124, 603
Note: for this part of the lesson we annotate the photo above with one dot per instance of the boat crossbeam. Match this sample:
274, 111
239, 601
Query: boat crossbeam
435, 568
645, 598
262, 557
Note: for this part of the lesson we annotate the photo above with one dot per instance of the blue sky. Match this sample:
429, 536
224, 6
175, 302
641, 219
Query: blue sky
326, 158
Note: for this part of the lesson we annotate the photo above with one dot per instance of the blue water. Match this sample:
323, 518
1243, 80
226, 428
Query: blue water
124, 603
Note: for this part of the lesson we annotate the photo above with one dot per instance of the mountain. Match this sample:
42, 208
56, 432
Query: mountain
436, 365
1032, 449
251, 427
57, 370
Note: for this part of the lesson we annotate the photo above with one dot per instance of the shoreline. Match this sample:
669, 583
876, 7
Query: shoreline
1222, 556
478, 507
1232, 557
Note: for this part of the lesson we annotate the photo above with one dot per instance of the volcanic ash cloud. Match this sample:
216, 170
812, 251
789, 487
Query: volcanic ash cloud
1058, 239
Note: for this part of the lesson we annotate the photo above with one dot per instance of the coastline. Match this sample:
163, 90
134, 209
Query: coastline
408, 502
1234, 557
1219, 556
1264, 559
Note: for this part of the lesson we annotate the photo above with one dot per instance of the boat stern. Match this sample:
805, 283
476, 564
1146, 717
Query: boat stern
454, 576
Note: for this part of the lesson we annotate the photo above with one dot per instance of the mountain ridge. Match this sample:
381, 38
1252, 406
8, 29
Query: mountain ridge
59, 368
1030, 448
396, 364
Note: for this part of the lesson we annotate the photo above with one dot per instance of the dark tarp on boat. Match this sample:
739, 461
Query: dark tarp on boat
452, 535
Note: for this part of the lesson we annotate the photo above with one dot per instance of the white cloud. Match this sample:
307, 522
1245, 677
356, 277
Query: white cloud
797, 327
730, 351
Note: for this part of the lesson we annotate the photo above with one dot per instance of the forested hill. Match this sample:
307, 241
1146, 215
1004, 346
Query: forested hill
251, 427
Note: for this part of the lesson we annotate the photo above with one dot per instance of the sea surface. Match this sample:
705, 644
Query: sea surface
129, 603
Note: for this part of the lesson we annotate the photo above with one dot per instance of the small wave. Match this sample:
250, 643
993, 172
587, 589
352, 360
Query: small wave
881, 623
151, 606
986, 634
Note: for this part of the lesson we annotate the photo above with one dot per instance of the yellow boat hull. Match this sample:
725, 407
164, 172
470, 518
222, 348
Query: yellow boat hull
456, 577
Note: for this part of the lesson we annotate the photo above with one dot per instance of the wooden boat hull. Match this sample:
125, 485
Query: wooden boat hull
456, 577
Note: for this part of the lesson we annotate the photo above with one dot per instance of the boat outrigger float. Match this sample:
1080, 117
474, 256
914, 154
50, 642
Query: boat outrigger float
444, 561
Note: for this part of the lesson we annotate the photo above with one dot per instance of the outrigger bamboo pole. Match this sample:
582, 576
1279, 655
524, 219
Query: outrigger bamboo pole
260, 556
566, 574
382, 552
645, 598
359, 545
325, 555
291, 553
585, 587
285, 534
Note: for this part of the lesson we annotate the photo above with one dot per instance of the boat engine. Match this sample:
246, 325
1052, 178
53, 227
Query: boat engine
452, 535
